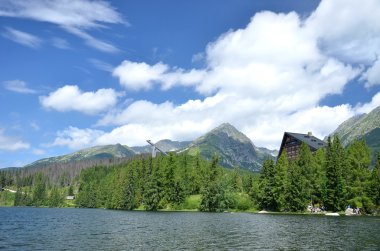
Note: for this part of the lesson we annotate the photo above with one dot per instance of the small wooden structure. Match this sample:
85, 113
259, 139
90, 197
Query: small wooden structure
291, 142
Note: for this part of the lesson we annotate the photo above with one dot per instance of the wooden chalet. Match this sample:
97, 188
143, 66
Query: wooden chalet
291, 142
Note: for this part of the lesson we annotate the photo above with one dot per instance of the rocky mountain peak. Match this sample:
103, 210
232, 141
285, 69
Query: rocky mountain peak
230, 132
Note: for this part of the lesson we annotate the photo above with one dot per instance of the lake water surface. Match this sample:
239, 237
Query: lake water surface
97, 229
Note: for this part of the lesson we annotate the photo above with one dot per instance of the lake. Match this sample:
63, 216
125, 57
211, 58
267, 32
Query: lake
97, 229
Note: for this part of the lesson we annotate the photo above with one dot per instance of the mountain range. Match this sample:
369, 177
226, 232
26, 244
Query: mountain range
363, 126
233, 147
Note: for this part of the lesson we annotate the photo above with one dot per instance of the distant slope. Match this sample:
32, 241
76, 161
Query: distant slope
233, 147
358, 126
92, 153
165, 145
373, 141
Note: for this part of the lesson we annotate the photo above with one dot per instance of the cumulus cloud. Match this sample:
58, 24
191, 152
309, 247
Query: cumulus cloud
266, 78
348, 29
71, 98
76, 17
18, 86
141, 76
22, 37
372, 75
368, 107
75, 138
8, 143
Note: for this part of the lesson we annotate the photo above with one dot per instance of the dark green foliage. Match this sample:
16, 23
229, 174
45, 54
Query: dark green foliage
308, 180
266, 197
334, 177
159, 183
335, 171
297, 192
213, 193
55, 198
281, 182
22, 198
39, 190
70, 191
374, 184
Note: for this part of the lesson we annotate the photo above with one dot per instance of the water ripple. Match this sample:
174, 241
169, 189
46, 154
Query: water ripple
96, 229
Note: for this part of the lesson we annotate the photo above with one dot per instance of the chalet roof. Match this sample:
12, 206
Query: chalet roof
310, 140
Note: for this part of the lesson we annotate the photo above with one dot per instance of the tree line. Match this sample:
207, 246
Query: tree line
165, 183
333, 178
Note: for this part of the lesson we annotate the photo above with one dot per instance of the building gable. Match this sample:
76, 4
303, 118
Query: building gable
291, 142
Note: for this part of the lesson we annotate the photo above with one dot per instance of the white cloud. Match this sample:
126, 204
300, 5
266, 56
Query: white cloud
71, 98
60, 43
141, 76
8, 143
266, 78
348, 29
37, 151
74, 16
22, 37
92, 41
101, 65
75, 138
372, 75
368, 107
18, 86
80, 13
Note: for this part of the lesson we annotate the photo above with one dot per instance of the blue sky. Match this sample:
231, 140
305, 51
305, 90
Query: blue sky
85, 73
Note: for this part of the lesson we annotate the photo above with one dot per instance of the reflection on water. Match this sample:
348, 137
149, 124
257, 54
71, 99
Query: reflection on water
96, 229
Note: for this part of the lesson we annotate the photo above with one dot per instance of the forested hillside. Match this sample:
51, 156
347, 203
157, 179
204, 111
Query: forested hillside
173, 182
334, 178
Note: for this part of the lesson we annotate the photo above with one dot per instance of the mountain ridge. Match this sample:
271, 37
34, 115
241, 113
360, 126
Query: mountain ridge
234, 148
358, 126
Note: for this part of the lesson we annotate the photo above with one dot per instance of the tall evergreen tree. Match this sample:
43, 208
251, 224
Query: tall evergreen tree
55, 198
335, 183
266, 198
281, 182
212, 194
308, 168
39, 191
358, 174
374, 191
297, 194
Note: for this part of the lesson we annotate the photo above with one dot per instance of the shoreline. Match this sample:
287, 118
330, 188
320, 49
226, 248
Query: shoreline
223, 212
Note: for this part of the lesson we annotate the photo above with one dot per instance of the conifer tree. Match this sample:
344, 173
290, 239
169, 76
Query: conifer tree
266, 198
307, 166
320, 171
281, 183
297, 195
212, 193
357, 175
55, 198
152, 192
39, 191
374, 191
335, 184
